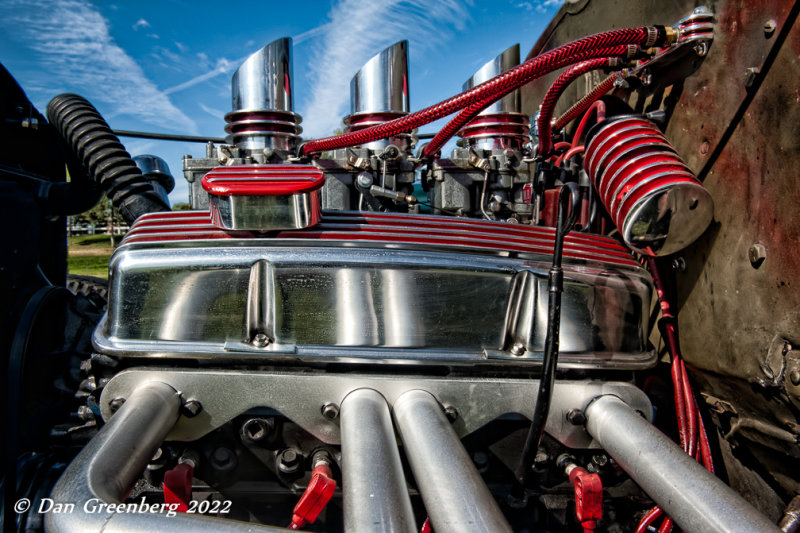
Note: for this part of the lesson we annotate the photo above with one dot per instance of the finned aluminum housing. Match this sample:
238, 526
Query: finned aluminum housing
366, 287
264, 197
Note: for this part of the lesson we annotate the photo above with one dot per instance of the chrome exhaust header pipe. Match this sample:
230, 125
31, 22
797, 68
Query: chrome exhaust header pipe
263, 115
455, 496
379, 92
107, 468
697, 500
375, 493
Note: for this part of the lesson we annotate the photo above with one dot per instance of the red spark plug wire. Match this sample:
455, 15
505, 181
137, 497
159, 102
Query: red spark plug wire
554, 93
584, 103
509, 80
472, 111
691, 429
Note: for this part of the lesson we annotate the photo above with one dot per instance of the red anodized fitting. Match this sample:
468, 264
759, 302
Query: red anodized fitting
652, 196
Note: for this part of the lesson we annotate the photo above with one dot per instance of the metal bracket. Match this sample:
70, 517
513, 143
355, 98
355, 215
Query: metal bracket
227, 394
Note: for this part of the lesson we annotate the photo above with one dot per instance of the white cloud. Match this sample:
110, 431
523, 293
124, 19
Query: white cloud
543, 6
74, 46
141, 23
356, 31
216, 113
180, 46
223, 65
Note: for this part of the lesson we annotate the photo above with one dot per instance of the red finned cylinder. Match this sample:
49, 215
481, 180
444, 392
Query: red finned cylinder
652, 196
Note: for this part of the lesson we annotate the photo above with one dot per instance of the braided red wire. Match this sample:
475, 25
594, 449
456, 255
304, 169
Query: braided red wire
510, 78
472, 111
554, 93
585, 103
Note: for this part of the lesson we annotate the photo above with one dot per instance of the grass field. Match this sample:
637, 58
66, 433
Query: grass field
88, 255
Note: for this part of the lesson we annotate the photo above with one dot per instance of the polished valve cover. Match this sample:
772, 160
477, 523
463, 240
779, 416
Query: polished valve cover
363, 287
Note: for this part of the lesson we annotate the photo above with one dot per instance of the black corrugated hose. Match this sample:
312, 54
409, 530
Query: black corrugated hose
103, 157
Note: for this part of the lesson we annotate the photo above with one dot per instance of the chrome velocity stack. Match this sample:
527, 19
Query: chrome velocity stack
379, 92
262, 115
501, 125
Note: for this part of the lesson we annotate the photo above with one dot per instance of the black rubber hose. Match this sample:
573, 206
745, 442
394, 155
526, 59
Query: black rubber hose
103, 157
568, 211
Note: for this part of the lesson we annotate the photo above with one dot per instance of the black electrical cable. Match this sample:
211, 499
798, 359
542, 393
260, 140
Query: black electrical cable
568, 210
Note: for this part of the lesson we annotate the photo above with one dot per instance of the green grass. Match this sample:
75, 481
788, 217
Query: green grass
93, 265
88, 255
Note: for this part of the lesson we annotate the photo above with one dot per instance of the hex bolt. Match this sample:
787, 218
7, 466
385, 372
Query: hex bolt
679, 264
289, 461
223, 458
260, 340
115, 404
191, 408
576, 417
330, 411
517, 349
757, 254
256, 429
769, 27
794, 377
450, 412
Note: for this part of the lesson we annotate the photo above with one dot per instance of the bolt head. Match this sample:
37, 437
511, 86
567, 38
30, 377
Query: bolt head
517, 349
576, 417
115, 404
769, 27
289, 461
256, 429
260, 340
451, 412
679, 264
794, 377
757, 254
192, 408
223, 458
330, 411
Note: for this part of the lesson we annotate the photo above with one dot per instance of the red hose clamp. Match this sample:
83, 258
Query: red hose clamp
588, 497
178, 486
316, 496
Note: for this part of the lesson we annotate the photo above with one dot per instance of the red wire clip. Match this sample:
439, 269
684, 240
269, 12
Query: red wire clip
316, 496
588, 497
178, 486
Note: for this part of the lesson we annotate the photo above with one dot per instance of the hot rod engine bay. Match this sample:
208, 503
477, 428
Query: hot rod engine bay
581, 318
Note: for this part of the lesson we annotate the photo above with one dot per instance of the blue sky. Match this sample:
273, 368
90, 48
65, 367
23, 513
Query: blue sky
166, 66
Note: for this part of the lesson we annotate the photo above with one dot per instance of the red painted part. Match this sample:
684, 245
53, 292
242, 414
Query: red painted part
473, 110
178, 486
426, 526
507, 81
588, 497
691, 429
586, 102
361, 121
391, 229
266, 122
629, 159
263, 180
596, 110
316, 496
554, 93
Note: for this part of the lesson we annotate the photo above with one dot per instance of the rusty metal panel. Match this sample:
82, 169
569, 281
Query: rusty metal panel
744, 142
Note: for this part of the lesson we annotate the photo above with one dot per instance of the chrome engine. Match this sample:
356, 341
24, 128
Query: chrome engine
380, 337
